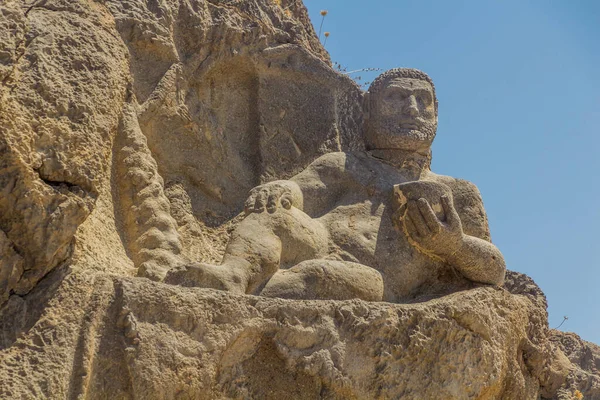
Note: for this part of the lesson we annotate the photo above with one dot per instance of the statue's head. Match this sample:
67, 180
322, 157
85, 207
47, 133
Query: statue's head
401, 111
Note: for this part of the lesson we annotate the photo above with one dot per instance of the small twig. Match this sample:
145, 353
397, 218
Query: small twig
363, 70
563, 321
323, 14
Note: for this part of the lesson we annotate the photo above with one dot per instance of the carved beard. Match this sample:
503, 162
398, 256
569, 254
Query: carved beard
389, 134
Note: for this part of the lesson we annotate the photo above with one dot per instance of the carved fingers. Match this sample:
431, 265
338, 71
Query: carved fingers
258, 200
268, 197
433, 223
421, 219
272, 202
287, 201
249, 204
261, 199
452, 218
428, 231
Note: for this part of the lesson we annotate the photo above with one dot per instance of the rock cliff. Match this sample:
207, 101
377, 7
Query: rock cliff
130, 134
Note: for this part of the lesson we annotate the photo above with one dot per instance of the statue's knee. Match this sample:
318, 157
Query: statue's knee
292, 234
326, 280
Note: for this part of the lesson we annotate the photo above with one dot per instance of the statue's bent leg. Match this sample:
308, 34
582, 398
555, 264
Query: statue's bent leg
259, 245
326, 280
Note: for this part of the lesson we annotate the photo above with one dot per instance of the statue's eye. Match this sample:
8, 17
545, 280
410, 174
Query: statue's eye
391, 96
424, 100
396, 95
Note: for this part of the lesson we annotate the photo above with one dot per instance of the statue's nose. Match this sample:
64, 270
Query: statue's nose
412, 108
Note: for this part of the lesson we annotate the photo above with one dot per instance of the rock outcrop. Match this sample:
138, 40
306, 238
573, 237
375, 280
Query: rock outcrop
130, 134
224, 95
142, 339
64, 74
584, 374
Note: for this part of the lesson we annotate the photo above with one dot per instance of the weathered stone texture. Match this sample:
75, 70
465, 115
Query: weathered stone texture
205, 80
130, 134
584, 373
64, 74
206, 344
142, 339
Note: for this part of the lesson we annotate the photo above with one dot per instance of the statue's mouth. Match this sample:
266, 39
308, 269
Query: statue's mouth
409, 128
406, 128
412, 126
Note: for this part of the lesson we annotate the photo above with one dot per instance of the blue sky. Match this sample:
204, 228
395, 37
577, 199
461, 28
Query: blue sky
518, 83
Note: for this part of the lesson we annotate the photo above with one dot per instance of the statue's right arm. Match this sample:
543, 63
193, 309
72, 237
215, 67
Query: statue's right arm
313, 190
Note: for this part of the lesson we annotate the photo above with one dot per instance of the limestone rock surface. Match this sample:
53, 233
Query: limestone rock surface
63, 74
130, 134
142, 339
172, 110
584, 373
473, 344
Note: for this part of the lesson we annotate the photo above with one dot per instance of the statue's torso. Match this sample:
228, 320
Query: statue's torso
362, 230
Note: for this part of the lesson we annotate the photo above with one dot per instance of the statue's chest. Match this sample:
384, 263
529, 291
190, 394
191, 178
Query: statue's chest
355, 224
364, 232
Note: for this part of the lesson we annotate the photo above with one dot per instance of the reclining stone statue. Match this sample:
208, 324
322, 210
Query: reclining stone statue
375, 225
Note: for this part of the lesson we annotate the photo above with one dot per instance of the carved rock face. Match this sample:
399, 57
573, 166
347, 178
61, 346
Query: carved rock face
206, 84
129, 132
402, 116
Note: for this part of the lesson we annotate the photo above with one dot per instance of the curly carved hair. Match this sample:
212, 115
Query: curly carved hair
383, 79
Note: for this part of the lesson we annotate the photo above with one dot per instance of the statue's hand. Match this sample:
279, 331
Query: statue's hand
272, 195
442, 238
